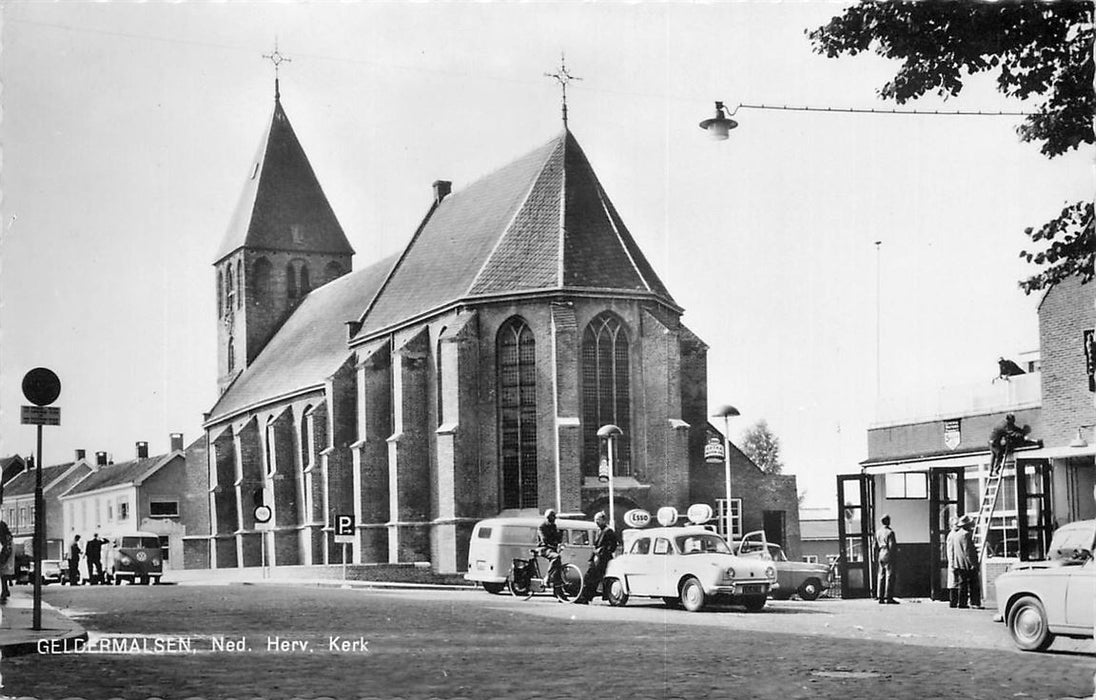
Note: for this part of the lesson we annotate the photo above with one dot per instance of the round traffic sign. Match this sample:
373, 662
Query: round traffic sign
262, 514
41, 386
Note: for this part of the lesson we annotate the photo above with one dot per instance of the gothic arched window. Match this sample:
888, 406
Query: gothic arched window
230, 289
220, 293
306, 285
231, 355
517, 409
605, 391
290, 281
260, 281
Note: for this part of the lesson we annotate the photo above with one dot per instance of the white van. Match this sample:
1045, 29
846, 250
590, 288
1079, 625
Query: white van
497, 542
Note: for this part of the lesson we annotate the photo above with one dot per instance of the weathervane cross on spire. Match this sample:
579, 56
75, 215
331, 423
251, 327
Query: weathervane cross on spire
563, 77
277, 59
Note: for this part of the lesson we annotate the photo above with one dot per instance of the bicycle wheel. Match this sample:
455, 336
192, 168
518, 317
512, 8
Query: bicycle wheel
518, 584
572, 583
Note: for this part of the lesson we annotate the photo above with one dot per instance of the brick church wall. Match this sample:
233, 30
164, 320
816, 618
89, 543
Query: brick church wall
1066, 311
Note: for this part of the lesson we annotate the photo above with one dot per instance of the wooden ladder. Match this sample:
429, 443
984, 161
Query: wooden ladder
989, 503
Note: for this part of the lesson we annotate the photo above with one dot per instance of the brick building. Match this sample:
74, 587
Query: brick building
463, 378
929, 463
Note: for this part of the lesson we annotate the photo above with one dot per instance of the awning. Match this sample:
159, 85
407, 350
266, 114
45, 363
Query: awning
1062, 452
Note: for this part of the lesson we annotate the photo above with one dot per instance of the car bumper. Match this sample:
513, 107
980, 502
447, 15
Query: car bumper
740, 589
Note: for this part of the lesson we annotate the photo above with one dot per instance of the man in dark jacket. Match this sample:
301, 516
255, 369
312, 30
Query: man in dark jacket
886, 550
94, 554
963, 555
1004, 438
605, 543
74, 561
548, 540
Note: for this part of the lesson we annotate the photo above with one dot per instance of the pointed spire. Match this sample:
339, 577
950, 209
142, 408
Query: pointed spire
563, 77
277, 59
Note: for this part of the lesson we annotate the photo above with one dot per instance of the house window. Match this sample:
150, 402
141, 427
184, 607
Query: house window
909, 485
22, 517
110, 512
736, 518
517, 409
810, 558
163, 509
165, 547
123, 509
605, 391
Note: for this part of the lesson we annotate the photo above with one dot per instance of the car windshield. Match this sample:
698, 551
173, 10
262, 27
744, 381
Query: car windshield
695, 544
777, 553
1072, 542
141, 542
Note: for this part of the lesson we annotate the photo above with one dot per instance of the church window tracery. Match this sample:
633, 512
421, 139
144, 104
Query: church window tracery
517, 410
606, 398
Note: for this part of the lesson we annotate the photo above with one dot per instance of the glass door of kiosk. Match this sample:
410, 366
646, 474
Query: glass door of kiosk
946, 502
854, 528
1034, 514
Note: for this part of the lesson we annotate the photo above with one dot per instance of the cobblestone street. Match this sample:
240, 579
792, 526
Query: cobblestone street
276, 642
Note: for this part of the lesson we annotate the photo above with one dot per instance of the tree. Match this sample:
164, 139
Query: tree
763, 447
1038, 49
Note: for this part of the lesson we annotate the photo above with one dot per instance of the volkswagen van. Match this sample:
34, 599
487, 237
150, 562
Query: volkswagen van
133, 556
497, 542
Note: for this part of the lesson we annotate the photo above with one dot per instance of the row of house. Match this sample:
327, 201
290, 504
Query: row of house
149, 493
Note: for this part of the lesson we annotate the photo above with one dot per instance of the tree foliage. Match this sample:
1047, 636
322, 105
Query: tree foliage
763, 447
1037, 49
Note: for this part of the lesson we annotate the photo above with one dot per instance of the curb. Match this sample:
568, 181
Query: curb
380, 585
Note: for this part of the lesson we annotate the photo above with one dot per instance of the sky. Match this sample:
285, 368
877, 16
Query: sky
128, 129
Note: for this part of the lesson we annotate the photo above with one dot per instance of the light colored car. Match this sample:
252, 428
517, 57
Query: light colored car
1041, 599
692, 566
808, 580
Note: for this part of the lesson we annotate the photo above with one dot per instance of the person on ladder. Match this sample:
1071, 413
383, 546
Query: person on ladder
1005, 437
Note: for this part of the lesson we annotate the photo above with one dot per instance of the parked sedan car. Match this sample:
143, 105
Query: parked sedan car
808, 580
1041, 599
688, 565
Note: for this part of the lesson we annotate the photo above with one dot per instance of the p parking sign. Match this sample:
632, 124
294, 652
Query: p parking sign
344, 528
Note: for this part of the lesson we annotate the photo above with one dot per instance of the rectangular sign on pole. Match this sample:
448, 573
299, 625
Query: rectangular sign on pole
344, 528
40, 415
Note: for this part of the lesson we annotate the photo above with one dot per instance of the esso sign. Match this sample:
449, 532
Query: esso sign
637, 517
699, 513
667, 516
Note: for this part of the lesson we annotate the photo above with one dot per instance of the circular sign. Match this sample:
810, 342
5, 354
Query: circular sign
699, 513
713, 451
41, 386
667, 516
637, 517
262, 514
141, 556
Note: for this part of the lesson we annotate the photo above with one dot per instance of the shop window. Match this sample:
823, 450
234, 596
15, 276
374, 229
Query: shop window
736, 518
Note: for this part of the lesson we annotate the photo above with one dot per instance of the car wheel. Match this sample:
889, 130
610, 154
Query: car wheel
810, 589
692, 595
754, 603
1027, 623
494, 587
614, 591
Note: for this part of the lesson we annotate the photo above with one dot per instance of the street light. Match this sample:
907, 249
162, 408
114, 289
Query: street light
727, 411
609, 433
719, 127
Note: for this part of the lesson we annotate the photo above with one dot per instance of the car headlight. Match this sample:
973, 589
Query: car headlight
728, 575
155, 562
126, 561
770, 573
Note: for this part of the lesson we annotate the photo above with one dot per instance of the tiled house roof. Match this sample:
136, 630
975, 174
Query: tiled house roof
309, 346
23, 484
281, 185
120, 474
542, 222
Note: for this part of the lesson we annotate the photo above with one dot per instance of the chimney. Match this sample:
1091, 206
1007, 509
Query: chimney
176, 442
442, 188
142, 450
81, 454
100, 459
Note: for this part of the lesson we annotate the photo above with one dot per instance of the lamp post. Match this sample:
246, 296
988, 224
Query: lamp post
727, 411
609, 433
719, 126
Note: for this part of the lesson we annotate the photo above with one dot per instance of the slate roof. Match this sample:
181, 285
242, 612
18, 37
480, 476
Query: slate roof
282, 191
23, 484
119, 474
309, 346
543, 222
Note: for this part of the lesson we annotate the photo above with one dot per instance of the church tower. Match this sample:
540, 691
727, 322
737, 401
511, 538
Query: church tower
283, 241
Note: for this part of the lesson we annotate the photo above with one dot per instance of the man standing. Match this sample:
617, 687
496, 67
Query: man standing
886, 551
74, 561
962, 553
605, 543
953, 570
94, 554
548, 541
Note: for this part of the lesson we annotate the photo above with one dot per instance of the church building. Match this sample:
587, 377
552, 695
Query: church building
463, 378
